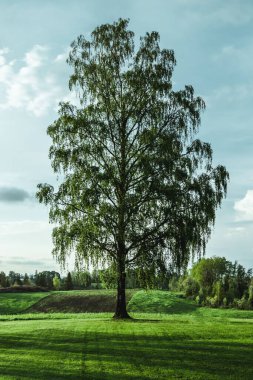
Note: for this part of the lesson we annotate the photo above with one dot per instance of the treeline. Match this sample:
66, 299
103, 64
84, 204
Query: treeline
51, 280
214, 282
217, 282
38, 279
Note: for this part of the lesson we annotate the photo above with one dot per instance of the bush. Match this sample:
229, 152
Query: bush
225, 302
191, 287
242, 303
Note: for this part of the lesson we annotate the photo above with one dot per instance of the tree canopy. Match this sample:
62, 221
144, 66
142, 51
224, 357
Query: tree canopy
138, 189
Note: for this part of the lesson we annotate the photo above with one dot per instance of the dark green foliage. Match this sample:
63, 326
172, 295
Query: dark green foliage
14, 278
81, 279
217, 282
137, 187
108, 277
45, 279
26, 280
18, 280
68, 284
191, 287
3, 280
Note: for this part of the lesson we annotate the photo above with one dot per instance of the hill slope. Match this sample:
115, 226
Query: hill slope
76, 301
157, 301
94, 301
12, 303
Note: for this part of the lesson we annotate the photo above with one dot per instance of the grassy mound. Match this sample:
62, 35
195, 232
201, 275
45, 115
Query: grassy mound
13, 303
82, 301
94, 301
155, 301
76, 301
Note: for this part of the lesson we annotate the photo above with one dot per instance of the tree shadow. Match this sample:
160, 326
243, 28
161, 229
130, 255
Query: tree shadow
112, 354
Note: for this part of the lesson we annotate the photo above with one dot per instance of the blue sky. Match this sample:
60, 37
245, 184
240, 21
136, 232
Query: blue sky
213, 44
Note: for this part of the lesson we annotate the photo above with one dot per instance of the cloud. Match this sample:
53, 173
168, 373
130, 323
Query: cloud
13, 194
63, 56
244, 207
35, 57
25, 264
20, 260
34, 84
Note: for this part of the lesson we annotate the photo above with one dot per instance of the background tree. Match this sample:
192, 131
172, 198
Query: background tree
56, 282
18, 280
26, 280
81, 279
14, 277
45, 278
208, 271
137, 187
3, 280
68, 282
216, 282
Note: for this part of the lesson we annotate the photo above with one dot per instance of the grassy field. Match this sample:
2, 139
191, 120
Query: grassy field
182, 341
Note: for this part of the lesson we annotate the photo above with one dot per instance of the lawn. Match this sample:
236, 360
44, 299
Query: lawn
199, 343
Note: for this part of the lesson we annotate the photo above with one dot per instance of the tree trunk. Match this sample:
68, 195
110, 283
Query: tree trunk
121, 312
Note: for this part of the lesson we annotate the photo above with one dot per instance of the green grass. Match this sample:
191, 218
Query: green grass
182, 341
160, 302
18, 302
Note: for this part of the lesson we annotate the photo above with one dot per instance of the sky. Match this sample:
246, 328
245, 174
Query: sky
213, 44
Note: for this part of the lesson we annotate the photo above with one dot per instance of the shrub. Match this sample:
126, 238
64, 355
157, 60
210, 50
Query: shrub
191, 287
242, 303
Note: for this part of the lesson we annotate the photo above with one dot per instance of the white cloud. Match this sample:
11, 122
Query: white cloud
244, 207
3, 52
63, 56
33, 85
35, 57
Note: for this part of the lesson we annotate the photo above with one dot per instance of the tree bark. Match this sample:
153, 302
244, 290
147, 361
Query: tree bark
121, 311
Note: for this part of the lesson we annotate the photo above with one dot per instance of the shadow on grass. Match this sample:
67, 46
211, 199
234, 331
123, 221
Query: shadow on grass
112, 355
